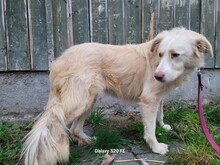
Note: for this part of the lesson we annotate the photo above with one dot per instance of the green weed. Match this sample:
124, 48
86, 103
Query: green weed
79, 154
11, 135
134, 130
96, 117
212, 113
109, 138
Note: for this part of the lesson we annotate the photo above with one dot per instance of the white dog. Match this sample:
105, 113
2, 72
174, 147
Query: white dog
142, 73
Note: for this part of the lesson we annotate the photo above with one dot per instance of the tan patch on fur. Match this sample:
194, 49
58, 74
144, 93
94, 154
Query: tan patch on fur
155, 44
204, 46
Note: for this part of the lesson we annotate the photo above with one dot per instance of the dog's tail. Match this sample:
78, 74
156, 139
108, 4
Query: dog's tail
47, 143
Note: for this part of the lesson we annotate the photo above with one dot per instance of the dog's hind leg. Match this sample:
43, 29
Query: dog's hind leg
76, 128
160, 117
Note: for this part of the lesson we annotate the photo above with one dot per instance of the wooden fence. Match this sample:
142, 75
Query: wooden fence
34, 32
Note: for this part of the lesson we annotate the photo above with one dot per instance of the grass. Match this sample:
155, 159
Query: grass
11, 134
122, 132
96, 117
185, 120
108, 138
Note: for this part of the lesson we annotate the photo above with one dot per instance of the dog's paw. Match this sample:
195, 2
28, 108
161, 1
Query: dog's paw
83, 139
167, 127
160, 148
89, 139
86, 140
81, 142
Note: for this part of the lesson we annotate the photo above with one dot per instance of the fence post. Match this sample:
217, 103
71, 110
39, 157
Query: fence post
50, 41
69, 23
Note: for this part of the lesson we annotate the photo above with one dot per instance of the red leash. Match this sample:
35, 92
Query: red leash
202, 119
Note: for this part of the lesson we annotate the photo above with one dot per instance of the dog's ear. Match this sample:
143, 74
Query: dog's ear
155, 44
203, 46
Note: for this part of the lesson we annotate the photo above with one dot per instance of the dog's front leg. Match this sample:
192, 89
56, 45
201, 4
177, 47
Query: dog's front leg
149, 115
160, 118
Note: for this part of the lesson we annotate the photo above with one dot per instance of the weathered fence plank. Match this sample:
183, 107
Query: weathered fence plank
69, 15
38, 39
80, 10
217, 35
49, 34
99, 21
17, 35
208, 25
116, 22
59, 26
165, 15
181, 13
149, 19
194, 15
147, 11
133, 21
3, 62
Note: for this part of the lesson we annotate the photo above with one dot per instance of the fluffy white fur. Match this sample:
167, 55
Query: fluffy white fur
127, 72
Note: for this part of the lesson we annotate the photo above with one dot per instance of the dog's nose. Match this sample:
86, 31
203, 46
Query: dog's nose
159, 76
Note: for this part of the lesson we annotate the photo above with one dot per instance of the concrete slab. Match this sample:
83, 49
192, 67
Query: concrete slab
24, 94
176, 146
137, 150
153, 156
125, 156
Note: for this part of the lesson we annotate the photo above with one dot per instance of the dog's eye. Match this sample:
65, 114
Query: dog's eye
175, 55
160, 55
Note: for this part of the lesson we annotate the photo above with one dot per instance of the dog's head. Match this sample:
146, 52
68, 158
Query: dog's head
179, 51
